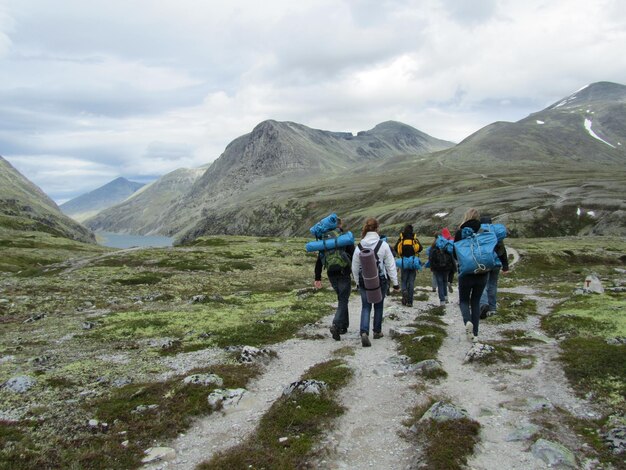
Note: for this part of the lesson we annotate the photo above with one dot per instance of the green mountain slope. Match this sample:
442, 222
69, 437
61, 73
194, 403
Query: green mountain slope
23, 206
87, 205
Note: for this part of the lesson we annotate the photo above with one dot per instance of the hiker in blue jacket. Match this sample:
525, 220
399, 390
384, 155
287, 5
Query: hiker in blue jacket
471, 286
488, 301
340, 281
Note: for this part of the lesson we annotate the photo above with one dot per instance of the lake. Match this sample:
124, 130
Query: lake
121, 240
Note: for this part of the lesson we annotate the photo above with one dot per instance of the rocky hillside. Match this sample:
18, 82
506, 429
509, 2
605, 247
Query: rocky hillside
586, 128
24, 206
143, 212
87, 205
284, 151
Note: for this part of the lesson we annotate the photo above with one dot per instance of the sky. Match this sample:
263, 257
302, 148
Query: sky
92, 89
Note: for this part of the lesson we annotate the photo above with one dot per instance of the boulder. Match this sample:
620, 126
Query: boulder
250, 354
396, 332
158, 454
616, 439
523, 433
429, 365
225, 398
593, 285
478, 351
441, 411
204, 379
306, 386
20, 384
554, 454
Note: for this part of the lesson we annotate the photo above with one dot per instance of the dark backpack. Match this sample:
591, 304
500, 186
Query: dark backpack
336, 260
440, 260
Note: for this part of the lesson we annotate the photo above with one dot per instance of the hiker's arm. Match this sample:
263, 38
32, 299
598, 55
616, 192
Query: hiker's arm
318, 271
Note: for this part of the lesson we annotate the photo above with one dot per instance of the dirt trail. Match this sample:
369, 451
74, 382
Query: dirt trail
380, 396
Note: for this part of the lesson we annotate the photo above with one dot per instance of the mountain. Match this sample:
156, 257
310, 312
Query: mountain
144, 211
87, 205
273, 151
586, 128
23, 206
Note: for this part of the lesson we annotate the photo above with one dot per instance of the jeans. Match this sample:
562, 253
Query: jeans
442, 284
366, 309
342, 286
471, 287
408, 284
491, 290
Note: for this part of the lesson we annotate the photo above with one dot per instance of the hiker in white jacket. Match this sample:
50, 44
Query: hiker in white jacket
387, 268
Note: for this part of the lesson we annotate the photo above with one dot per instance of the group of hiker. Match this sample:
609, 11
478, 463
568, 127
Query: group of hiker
372, 265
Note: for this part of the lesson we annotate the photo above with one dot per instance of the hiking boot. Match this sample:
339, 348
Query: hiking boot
343, 331
484, 311
334, 331
409, 304
378, 334
469, 331
442, 303
450, 287
475, 339
404, 297
492, 313
365, 340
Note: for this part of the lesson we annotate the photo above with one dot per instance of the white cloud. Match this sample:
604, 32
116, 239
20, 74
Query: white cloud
145, 87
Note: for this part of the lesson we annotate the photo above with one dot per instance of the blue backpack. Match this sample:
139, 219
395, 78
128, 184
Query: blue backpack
474, 252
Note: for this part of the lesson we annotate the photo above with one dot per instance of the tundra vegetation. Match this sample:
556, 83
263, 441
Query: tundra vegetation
105, 338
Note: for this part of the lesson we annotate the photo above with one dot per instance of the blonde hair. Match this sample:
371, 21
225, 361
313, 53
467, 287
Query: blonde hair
471, 214
371, 225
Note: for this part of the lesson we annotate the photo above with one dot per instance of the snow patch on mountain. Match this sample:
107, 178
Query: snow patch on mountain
594, 135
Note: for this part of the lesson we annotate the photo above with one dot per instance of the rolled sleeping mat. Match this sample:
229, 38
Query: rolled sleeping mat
325, 225
345, 239
409, 262
369, 271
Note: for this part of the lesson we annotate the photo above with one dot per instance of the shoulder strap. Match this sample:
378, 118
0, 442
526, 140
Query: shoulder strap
380, 242
360, 247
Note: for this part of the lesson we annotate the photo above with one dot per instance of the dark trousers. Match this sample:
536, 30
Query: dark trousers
408, 284
442, 284
471, 287
342, 286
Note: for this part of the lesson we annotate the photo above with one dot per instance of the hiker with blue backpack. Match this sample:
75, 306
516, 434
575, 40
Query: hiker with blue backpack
488, 301
372, 262
474, 249
407, 247
338, 265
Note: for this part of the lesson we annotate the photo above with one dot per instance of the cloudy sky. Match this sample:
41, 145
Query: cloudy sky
95, 89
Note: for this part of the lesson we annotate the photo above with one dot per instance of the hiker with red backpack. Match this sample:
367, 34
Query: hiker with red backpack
475, 251
372, 248
408, 246
338, 265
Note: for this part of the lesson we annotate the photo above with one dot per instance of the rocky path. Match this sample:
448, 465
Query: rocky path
502, 397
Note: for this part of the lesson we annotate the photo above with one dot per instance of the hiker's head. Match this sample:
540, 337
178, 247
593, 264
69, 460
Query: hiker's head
485, 219
408, 229
371, 225
470, 214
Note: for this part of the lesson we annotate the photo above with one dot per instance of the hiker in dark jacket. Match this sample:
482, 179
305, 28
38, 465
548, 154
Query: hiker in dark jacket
341, 282
441, 263
488, 301
471, 286
408, 245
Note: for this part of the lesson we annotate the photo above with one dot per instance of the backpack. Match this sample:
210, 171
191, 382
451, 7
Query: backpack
407, 247
475, 252
334, 260
381, 269
441, 260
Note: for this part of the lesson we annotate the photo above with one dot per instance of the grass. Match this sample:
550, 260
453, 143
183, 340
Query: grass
512, 308
100, 447
446, 444
301, 418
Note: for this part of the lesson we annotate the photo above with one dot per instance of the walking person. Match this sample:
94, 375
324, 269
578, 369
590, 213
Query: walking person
471, 285
370, 239
338, 268
407, 246
441, 263
448, 236
488, 301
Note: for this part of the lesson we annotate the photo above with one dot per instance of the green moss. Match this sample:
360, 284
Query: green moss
512, 308
427, 348
592, 365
